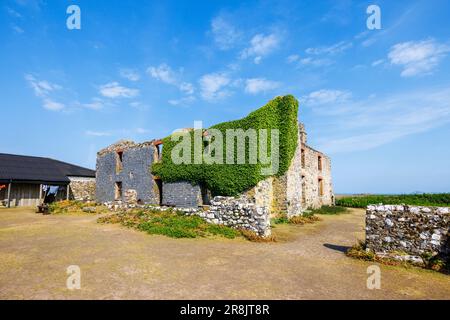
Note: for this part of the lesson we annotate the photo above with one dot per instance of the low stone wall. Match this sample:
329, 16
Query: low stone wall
410, 229
82, 189
239, 213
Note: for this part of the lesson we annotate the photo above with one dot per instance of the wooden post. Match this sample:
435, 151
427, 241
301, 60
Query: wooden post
40, 194
68, 192
9, 194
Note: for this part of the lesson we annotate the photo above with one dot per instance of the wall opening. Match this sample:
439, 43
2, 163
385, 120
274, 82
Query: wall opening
119, 161
319, 163
303, 192
206, 195
118, 191
320, 187
159, 186
303, 158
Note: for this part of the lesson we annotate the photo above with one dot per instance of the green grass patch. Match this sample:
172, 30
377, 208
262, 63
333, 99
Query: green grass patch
330, 210
425, 199
307, 217
169, 223
75, 207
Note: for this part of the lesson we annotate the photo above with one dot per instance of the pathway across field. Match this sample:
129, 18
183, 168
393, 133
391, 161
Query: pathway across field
120, 263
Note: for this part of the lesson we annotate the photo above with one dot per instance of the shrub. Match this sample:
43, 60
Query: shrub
254, 237
233, 179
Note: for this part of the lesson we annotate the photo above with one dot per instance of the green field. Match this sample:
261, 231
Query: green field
425, 199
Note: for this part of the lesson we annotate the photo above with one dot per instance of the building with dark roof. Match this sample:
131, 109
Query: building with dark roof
25, 180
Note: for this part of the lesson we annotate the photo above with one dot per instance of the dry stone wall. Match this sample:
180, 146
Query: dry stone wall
410, 229
82, 189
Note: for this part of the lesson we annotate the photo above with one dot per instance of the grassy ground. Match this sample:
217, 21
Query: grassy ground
76, 207
426, 199
308, 262
169, 223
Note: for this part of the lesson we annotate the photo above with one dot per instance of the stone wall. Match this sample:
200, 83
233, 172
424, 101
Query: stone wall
410, 229
133, 173
82, 189
181, 194
239, 213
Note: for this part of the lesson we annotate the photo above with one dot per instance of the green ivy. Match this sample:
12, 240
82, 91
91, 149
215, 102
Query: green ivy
232, 179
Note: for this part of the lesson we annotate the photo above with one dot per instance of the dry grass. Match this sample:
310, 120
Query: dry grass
254, 237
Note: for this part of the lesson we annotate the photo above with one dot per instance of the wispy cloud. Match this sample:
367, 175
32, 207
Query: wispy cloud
374, 121
53, 105
326, 97
164, 73
130, 74
17, 29
213, 86
115, 90
41, 88
185, 101
333, 49
257, 85
13, 13
260, 46
225, 34
97, 133
95, 104
417, 58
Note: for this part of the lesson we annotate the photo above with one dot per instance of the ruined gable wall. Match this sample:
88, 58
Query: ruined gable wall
310, 181
135, 173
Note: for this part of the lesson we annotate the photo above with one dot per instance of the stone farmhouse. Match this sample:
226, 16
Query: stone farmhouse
123, 175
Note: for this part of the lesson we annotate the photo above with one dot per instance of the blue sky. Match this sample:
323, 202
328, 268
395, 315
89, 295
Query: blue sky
376, 101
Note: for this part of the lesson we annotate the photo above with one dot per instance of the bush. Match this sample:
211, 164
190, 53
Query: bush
233, 179
425, 199
74, 206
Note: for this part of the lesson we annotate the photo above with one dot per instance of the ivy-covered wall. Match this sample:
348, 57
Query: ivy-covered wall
232, 179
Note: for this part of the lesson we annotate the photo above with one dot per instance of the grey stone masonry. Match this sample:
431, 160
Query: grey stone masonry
181, 194
411, 229
239, 213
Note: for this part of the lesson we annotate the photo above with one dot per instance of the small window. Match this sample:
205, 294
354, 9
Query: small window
319, 163
320, 187
303, 158
118, 191
119, 161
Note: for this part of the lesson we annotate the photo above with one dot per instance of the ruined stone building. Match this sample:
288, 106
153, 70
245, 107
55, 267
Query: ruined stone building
124, 174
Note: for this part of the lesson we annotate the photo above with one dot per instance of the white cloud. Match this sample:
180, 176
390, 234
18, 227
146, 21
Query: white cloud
260, 46
130, 74
95, 104
375, 121
17, 29
182, 101
315, 62
41, 87
115, 90
13, 13
377, 62
213, 86
53, 105
292, 58
142, 130
165, 74
225, 34
256, 85
333, 49
324, 97
417, 58
97, 133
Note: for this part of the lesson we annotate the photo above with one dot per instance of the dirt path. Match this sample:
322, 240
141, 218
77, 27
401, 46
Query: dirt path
118, 263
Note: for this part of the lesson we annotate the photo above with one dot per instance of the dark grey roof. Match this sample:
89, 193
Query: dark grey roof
25, 168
